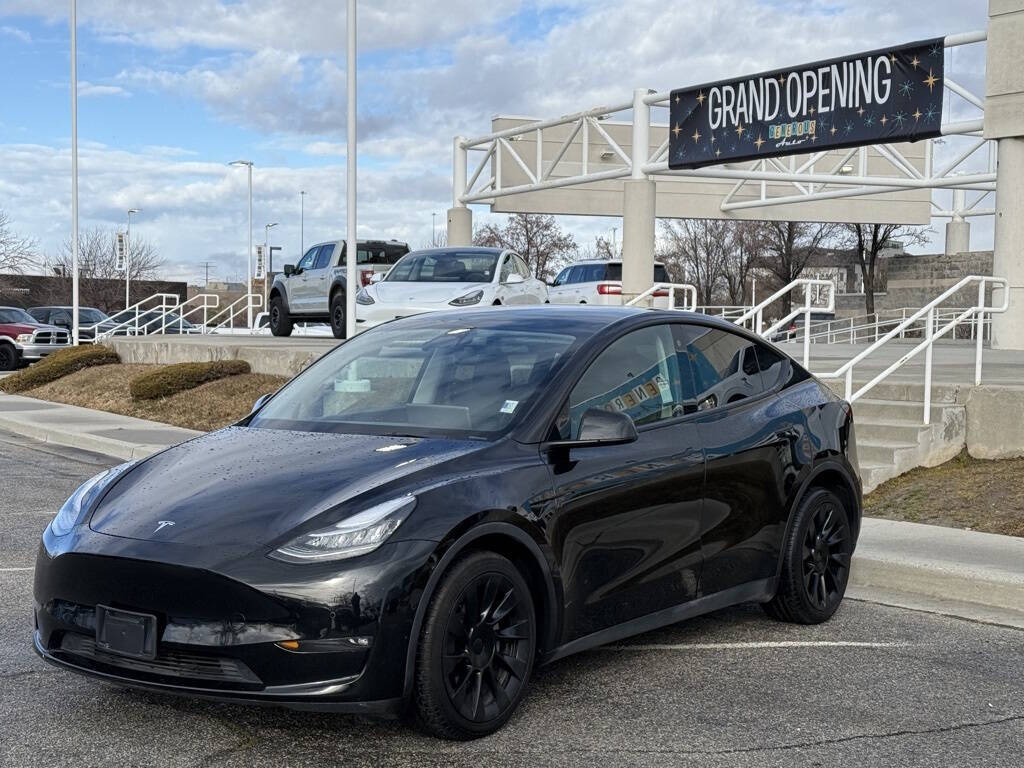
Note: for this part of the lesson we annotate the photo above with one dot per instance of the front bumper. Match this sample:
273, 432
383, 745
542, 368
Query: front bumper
218, 634
39, 351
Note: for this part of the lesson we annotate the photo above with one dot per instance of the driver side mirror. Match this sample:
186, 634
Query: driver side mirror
600, 427
377, 277
289, 270
514, 279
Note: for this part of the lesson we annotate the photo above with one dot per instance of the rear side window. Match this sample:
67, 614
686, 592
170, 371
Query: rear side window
614, 272
724, 365
594, 273
777, 370
323, 257
661, 274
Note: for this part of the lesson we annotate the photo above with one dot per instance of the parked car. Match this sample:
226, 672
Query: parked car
314, 289
599, 281
794, 330
132, 322
447, 278
25, 339
90, 319
445, 502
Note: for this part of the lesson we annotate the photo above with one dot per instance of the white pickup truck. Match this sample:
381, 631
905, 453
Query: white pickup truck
313, 291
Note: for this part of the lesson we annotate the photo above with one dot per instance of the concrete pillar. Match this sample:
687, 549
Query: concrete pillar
1004, 121
1008, 258
958, 236
638, 196
460, 226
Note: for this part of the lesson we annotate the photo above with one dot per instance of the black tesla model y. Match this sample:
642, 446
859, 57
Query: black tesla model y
442, 503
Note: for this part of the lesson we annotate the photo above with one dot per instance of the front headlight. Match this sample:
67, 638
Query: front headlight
356, 535
81, 500
364, 297
23, 338
468, 299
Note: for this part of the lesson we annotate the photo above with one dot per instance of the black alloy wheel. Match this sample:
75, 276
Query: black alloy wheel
816, 561
8, 357
477, 649
338, 315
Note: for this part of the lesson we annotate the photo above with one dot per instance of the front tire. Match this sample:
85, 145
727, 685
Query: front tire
476, 649
816, 561
338, 315
280, 321
9, 357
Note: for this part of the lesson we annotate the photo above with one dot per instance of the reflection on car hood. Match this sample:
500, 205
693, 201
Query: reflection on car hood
251, 486
423, 293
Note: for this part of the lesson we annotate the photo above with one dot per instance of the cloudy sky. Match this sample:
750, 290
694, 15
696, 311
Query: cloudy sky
170, 92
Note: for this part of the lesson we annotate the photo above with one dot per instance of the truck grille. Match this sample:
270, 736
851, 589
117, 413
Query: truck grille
50, 337
170, 663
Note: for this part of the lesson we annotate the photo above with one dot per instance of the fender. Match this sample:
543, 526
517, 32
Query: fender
281, 289
338, 283
485, 529
833, 463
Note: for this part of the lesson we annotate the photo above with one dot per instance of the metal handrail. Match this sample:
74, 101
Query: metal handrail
232, 310
686, 289
848, 330
209, 301
756, 313
138, 309
931, 335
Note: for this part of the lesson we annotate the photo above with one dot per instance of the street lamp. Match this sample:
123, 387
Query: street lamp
266, 261
128, 257
248, 274
74, 173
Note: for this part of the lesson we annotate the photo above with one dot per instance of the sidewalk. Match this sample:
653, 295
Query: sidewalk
121, 436
978, 576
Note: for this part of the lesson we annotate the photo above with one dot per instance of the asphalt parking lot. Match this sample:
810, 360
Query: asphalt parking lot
875, 686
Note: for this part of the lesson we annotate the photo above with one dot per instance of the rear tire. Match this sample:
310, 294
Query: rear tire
280, 321
9, 357
338, 315
476, 649
815, 561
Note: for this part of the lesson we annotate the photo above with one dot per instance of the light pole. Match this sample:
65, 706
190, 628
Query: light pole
433, 230
128, 258
74, 174
248, 274
266, 261
302, 222
351, 245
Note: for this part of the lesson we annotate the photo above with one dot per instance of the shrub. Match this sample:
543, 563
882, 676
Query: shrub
58, 364
171, 379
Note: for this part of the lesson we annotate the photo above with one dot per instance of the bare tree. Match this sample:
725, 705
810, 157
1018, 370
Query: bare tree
867, 242
698, 250
788, 247
97, 260
536, 237
16, 252
746, 248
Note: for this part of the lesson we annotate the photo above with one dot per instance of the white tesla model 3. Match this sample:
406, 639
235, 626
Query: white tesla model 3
448, 278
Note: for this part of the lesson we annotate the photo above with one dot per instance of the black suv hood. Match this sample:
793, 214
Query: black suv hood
252, 486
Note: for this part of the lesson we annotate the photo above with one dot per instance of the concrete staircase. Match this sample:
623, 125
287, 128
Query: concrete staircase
891, 436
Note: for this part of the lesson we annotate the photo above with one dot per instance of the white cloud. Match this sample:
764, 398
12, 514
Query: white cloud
16, 33
87, 90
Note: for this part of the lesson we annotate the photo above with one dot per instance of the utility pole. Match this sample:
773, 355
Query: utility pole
74, 173
248, 276
206, 265
433, 230
302, 222
351, 236
128, 258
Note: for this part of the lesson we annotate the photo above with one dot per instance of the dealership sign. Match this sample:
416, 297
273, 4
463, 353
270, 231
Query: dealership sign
892, 94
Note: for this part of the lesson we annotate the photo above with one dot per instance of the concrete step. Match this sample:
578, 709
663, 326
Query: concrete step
880, 429
896, 388
899, 411
882, 452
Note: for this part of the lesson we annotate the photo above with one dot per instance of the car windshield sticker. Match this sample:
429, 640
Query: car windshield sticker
509, 406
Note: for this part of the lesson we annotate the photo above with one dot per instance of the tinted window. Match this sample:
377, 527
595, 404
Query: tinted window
593, 273
444, 267
40, 314
14, 315
777, 370
421, 381
563, 277
724, 365
507, 268
614, 272
637, 375
323, 257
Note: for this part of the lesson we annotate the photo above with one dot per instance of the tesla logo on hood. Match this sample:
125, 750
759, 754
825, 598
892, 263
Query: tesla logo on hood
163, 524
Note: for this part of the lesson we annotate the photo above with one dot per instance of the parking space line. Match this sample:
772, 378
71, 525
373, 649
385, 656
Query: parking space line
8, 570
752, 644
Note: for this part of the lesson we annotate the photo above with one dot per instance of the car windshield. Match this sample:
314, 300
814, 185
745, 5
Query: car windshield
89, 316
15, 315
394, 380
444, 267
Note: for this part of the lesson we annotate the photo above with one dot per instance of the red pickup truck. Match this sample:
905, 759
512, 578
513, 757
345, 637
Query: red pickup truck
24, 339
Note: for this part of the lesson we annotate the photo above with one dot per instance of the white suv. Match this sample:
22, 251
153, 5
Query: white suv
598, 282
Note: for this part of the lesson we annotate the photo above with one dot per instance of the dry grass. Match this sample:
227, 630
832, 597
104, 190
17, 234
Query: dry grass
967, 493
206, 407
60, 363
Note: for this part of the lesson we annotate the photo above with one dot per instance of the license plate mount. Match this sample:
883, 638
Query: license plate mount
126, 633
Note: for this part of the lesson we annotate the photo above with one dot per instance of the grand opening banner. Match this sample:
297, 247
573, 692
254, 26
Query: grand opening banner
892, 94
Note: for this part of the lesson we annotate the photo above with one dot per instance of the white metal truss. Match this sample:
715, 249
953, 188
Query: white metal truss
807, 182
